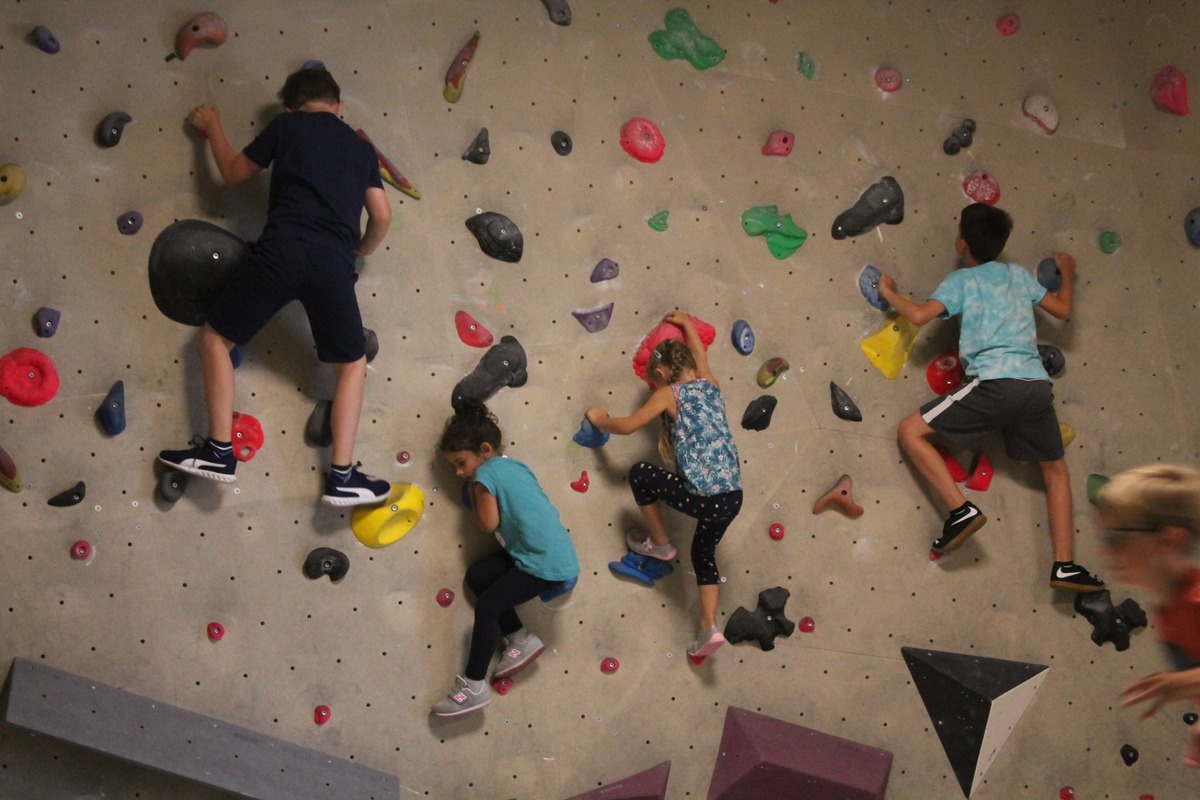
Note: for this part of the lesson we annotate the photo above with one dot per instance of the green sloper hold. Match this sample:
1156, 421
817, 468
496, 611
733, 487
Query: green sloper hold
682, 39
806, 66
1109, 242
1095, 482
658, 222
783, 236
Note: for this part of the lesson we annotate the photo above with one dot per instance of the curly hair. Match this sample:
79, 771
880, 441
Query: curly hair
471, 426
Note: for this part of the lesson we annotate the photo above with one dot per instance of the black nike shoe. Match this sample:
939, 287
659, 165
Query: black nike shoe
958, 527
1071, 576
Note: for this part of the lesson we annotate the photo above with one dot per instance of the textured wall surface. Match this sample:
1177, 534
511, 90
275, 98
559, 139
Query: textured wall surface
376, 647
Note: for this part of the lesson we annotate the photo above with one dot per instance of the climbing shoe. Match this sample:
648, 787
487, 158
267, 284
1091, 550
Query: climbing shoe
959, 526
1069, 575
354, 490
202, 459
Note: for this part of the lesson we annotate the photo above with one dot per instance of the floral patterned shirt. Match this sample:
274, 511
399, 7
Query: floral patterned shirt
705, 454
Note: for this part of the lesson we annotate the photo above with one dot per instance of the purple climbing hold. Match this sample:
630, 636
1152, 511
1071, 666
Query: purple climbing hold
743, 337
596, 319
108, 132
129, 223
45, 40
868, 284
111, 413
313, 63
559, 11
45, 322
758, 414
605, 270
1048, 274
881, 202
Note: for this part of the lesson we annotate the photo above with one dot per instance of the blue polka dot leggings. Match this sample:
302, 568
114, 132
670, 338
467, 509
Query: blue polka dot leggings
713, 514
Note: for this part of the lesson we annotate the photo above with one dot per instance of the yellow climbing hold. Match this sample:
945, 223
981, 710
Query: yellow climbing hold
12, 182
888, 347
1068, 433
388, 522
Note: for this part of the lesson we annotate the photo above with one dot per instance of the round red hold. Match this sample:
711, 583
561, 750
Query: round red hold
582, 484
1066, 793
445, 597
1008, 24
642, 139
247, 436
609, 665
945, 373
775, 531
403, 457
1146, 797
888, 79
81, 550
697, 660
807, 625
28, 377
502, 685
215, 631
982, 187
321, 714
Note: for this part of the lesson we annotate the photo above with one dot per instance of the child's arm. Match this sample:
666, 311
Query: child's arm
916, 313
379, 217
485, 507
662, 400
692, 340
1058, 303
1162, 687
234, 166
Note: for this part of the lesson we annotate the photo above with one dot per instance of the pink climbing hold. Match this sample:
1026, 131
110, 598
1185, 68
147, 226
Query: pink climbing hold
215, 631
934, 555
502, 685
609, 665
445, 597
1169, 90
28, 377
888, 79
470, 331
666, 330
981, 474
945, 373
842, 496
403, 457
807, 625
203, 30
779, 143
81, 550
642, 139
582, 484
1066, 793
775, 531
247, 436
958, 473
982, 187
1008, 24
321, 714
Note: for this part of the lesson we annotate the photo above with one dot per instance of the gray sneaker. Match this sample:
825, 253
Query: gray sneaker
640, 543
462, 699
517, 656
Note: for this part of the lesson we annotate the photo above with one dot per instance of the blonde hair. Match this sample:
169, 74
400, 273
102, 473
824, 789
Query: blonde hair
1154, 497
676, 357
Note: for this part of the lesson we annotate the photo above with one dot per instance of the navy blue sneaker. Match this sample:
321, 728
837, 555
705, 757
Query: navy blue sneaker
355, 490
203, 460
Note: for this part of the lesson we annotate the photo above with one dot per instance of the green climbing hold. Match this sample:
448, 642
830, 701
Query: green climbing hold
1109, 242
783, 236
1095, 482
806, 66
658, 222
682, 39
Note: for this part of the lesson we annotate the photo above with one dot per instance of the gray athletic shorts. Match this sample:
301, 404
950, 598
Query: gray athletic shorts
1020, 411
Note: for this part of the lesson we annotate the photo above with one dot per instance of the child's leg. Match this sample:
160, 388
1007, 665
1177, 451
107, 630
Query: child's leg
715, 515
914, 434
347, 408
499, 586
219, 385
1058, 505
649, 483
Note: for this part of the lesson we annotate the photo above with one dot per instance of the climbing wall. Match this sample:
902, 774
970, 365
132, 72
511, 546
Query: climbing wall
376, 647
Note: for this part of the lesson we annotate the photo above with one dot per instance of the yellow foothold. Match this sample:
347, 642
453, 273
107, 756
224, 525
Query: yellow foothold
12, 182
888, 348
1068, 433
388, 522
771, 370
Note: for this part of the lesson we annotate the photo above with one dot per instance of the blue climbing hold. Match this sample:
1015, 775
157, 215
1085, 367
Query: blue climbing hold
589, 435
1191, 226
868, 284
111, 413
45, 40
313, 63
235, 356
643, 569
559, 590
743, 337
1048, 274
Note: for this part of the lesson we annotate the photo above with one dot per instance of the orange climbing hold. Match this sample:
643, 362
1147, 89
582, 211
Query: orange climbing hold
203, 30
842, 496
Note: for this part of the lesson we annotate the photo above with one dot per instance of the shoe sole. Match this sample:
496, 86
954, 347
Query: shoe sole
518, 666
709, 647
1076, 587
462, 711
957, 541
333, 500
200, 473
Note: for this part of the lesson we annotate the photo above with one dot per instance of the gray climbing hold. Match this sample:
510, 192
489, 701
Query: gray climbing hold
843, 406
70, 497
560, 12
111, 413
502, 365
605, 270
172, 485
108, 132
372, 346
758, 413
881, 202
326, 561
318, 431
868, 284
498, 236
596, 319
129, 223
562, 143
45, 322
1191, 226
479, 150
1048, 274
1053, 360
962, 137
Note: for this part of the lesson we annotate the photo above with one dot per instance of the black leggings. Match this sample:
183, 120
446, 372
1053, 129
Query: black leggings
713, 514
499, 586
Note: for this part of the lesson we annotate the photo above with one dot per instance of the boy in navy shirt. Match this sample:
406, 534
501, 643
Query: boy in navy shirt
323, 176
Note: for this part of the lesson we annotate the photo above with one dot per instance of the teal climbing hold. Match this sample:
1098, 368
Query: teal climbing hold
658, 222
682, 39
783, 236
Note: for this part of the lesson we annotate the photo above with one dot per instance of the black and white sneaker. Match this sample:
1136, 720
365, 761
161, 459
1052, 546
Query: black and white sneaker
203, 460
355, 490
959, 526
1071, 576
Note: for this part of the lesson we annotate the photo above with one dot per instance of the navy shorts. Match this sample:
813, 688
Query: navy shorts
1020, 411
279, 271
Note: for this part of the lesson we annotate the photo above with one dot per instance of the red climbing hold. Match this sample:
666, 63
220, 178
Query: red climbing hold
697, 660
247, 436
779, 143
609, 665
982, 187
667, 330
403, 457
1066, 793
958, 473
582, 484
1169, 90
945, 373
456, 74
445, 597
981, 474
888, 79
388, 171
934, 555
203, 30
807, 625
321, 714
642, 139
502, 685
775, 531
1008, 24
215, 631
470, 331
28, 377
81, 550
842, 496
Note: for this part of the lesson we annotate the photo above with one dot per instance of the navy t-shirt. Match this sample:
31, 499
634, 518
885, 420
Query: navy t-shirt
320, 172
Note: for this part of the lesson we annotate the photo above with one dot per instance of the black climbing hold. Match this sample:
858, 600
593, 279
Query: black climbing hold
45, 322
108, 132
1053, 359
326, 561
190, 263
45, 40
882, 202
502, 365
561, 142
1110, 624
479, 150
70, 497
1190, 718
560, 12
172, 485
843, 406
1129, 755
962, 137
111, 413
498, 236
758, 414
372, 347
318, 432
129, 223
765, 623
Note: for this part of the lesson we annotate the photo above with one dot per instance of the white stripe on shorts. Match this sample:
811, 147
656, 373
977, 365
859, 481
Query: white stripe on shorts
948, 400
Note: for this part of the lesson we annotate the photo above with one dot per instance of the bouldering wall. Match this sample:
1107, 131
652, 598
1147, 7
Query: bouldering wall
376, 647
